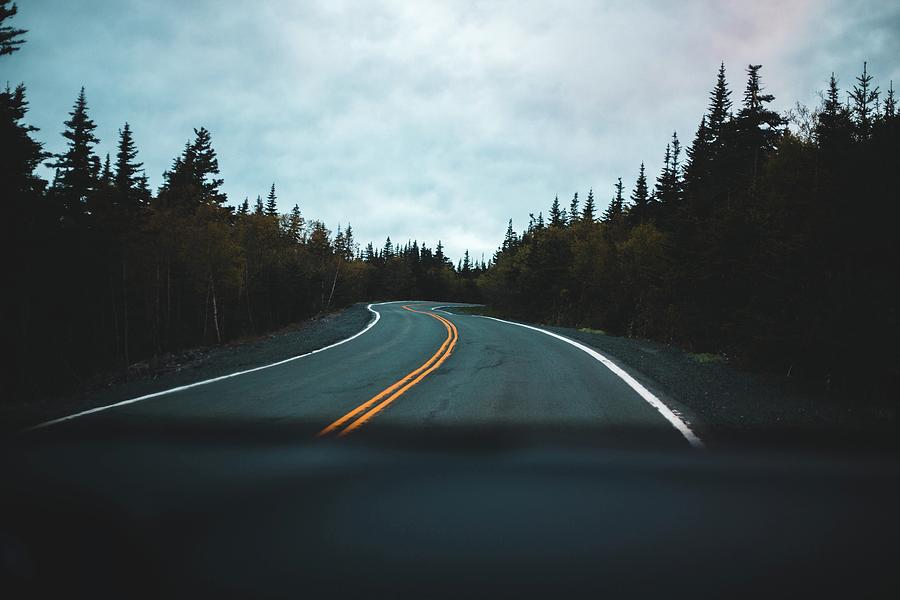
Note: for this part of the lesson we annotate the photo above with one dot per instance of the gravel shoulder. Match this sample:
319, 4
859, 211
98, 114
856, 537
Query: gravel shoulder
727, 405
190, 366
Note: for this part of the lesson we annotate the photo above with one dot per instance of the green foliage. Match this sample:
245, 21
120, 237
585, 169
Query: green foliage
9, 36
773, 248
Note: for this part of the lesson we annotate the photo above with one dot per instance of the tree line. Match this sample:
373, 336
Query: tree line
771, 239
105, 273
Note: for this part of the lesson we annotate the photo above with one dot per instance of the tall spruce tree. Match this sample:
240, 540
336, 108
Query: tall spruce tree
271, 205
573, 210
833, 127
719, 106
23, 154
588, 215
192, 180
78, 167
865, 99
556, 218
890, 104
640, 199
616, 205
128, 171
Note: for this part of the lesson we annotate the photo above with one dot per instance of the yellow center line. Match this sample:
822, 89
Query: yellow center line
399, 387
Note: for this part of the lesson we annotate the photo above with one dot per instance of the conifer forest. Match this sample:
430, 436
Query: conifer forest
769, 238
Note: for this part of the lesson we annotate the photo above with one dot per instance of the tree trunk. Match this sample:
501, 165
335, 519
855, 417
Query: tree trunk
333, 283
212, 283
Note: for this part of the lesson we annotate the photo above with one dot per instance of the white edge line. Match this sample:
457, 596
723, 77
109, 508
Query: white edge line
643, 392
438, 309
206, 381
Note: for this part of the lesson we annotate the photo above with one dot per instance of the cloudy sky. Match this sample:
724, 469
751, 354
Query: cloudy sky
428, 120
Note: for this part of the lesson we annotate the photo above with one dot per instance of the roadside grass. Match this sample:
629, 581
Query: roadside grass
707, 358
589, 330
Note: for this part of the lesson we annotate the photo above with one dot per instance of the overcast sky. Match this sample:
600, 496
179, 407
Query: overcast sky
428, 120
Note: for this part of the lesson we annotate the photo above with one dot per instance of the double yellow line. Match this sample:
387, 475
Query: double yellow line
383, 399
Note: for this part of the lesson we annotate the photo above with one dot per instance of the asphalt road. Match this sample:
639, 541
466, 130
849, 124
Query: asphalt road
320, 477
447, 371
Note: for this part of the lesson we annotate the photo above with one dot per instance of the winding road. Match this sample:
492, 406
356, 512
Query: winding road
417, 366
298, 479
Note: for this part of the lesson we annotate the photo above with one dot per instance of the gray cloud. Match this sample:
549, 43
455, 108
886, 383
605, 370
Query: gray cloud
428, 120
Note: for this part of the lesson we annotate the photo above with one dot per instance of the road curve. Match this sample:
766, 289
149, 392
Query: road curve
415, 368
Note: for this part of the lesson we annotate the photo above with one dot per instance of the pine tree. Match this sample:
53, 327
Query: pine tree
295, 225
271, 205
8, 34
616, 205
78, 166
757, 128
833, 123
662, 180
350, 243
890, 105
20, 186
510, 240
192, 181
388, 251
127, 170
719, 106
106, 177
244, 208
258, 207
640, 198
573, 210
588, 215
864, 100
206, 167
556, 218
699, 153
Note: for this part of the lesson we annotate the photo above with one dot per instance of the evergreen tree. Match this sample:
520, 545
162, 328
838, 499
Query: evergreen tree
833, 127
719, 106
295, 225
616, 205
388, 251
662, 180
640, 198
192, 181
699, 153
556, 215
271, 205
588, 215
78, 166
439, 254
22, 154
864, 99
757, 128
350, 243
127, 176
510, 240
106, 177
244, 209
9, 35
573, 210
466, 269
890, 105
206, 167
